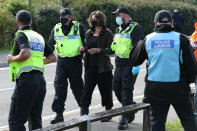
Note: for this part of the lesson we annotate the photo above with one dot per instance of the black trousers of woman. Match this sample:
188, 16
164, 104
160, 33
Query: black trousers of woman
104, 81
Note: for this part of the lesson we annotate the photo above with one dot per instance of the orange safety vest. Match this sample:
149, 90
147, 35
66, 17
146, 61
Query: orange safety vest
194, 38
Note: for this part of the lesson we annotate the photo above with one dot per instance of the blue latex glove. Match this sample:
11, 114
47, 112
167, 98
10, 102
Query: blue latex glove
136, 70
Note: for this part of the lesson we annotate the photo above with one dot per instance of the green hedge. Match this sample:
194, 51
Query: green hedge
7, 20
142, 11
7, 28
44, 20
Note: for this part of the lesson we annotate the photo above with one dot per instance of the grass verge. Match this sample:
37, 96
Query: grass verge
174, 126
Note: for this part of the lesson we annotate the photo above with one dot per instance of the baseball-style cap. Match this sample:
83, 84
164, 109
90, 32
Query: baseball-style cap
65, 11
163, 16
122, 10
24, 16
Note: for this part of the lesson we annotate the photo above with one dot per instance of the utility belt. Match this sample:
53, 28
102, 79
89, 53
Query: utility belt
32, 72
122, 62
75, 58
123, 57
70, 56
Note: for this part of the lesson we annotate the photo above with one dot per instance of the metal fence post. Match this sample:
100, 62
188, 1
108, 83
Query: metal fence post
146, 119
85, 126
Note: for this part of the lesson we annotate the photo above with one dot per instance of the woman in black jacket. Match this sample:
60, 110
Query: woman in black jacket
98, 67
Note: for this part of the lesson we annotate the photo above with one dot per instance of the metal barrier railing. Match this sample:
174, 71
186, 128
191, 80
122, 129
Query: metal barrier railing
83, 122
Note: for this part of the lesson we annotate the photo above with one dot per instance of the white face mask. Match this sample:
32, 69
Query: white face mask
119, 20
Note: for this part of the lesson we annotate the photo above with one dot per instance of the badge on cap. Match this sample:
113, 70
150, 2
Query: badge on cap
165, 19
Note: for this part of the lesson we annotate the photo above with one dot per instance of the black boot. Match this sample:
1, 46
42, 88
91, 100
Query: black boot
84, 111
107, 119
123, 123
59, 118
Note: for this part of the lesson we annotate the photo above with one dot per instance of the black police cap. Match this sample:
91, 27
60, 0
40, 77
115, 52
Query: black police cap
65, 11
24, 16
122, 10
163, 16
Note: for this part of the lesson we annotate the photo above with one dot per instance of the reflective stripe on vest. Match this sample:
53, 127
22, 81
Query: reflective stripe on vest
35, 62
67, 46
122, 43
29, 68
164, 57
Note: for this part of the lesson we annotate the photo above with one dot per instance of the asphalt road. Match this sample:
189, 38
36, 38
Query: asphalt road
7, 88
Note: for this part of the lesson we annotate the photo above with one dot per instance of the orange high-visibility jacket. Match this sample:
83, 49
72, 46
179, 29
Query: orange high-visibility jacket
194, 38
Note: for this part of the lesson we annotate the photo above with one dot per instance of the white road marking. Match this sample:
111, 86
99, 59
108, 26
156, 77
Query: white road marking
11, 88
7, 68
4, 68
6, 89
74, 112
50, 82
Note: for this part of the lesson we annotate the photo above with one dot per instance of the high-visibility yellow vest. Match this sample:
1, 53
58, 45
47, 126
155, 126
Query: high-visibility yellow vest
122, 42
67, 46
35, 62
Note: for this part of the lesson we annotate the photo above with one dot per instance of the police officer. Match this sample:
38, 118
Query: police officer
26, 68
67, 38
171, 67
127, 35
178, 21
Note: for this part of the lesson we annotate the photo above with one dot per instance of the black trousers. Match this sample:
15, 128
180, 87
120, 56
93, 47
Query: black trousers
67, 69
123, 84
104, 81
27, 102
183, 109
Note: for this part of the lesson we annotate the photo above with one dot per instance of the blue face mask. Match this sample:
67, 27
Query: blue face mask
63, 21
119, 20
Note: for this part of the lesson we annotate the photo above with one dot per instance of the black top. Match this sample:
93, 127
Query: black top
66, 31
103, 42
135, 35
22, 42
92, 43
165, 92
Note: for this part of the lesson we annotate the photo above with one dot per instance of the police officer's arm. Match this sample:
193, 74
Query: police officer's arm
137, 34
51, 42
82, 35
138, 53
49, 56
189, 61
22, 56
23, 44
